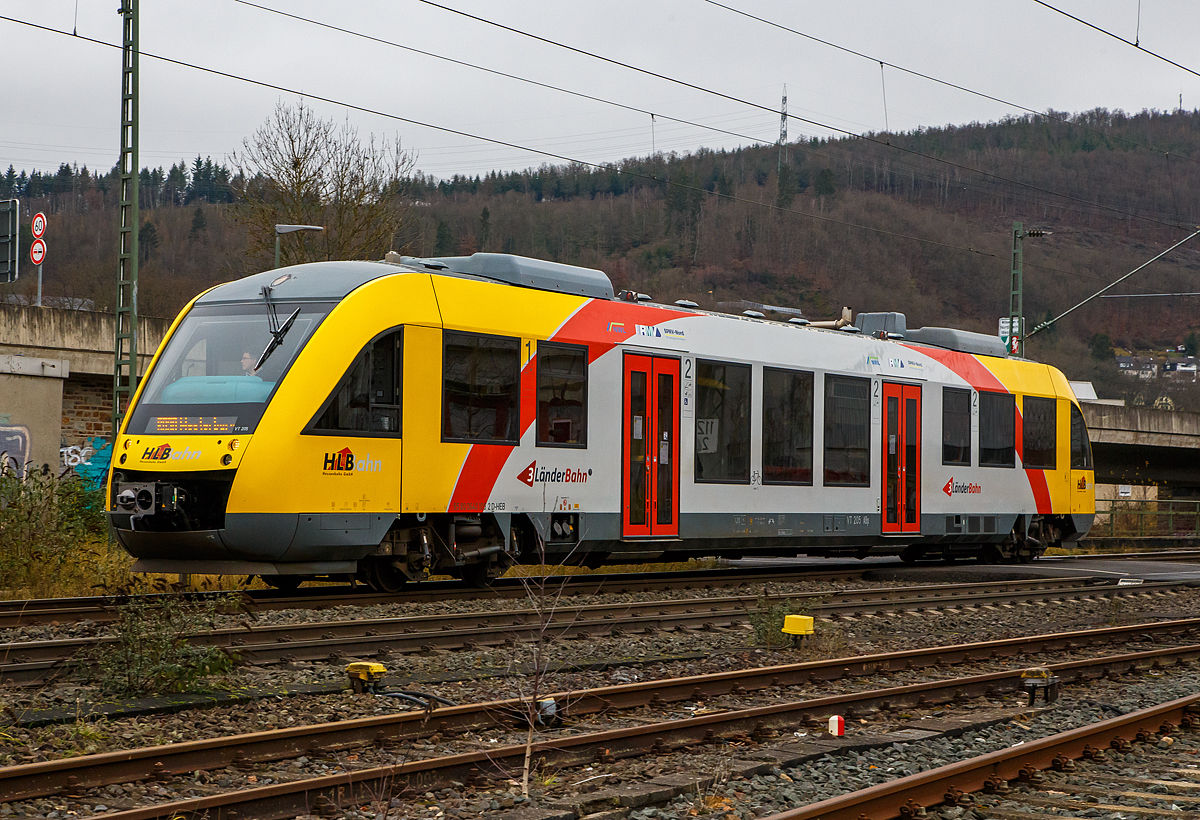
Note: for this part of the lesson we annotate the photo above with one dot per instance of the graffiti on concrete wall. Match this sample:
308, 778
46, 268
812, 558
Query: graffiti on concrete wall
89, 460
14, 445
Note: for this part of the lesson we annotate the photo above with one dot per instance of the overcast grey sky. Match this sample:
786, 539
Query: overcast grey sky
61, 94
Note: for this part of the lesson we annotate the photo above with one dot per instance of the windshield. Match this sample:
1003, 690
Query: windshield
205, 381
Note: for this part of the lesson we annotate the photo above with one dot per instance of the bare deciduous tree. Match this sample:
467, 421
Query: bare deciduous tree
298, 169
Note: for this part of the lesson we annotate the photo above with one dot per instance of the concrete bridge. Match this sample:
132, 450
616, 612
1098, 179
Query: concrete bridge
1141, 445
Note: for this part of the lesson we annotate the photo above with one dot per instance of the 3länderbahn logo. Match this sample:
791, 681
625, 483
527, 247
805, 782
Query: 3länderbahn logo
552, 475
961, 487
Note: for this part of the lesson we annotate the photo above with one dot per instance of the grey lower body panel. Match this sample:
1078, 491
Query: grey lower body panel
176, 566
790, 533
265, 537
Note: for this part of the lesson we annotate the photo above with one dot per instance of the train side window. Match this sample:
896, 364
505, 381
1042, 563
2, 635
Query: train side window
847, 431
997, 429
561, 395
787, 426
956, 426
1081, 447
722, 422
1039, 433
481, 388
367, 399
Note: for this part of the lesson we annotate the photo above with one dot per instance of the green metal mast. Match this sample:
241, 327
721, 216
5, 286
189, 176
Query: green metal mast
1016, 295
125, 358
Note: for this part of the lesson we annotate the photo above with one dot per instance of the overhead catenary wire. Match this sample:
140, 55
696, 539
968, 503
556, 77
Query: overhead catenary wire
931, 78
819, 124
1134, 44
654, 115
1098, 293
458, 132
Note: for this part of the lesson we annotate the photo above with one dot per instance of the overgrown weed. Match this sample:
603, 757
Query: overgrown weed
151, 653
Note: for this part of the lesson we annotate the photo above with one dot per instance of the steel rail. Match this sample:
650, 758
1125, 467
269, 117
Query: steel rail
906, 795
50, 777
34, 662
325, 794
102, 608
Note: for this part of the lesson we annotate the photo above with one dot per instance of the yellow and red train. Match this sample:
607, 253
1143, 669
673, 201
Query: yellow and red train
387, 420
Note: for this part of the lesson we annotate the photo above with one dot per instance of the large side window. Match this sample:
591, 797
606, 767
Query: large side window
561, 395
481, 381
1081, 448
722, 422
847, 431
367, 399
997, 430
787, 426
956, 426
1039, 433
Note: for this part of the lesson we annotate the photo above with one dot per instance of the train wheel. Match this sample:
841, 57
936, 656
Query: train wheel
383, 577
949, 558
284, 582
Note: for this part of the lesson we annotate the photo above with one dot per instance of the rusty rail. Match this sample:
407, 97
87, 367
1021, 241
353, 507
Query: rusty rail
50, 777
903, 797
30, 663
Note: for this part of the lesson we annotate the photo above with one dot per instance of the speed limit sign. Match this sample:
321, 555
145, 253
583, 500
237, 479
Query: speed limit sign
39, 225
37, 251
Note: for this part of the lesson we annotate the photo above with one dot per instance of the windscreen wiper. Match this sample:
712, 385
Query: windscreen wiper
277, 332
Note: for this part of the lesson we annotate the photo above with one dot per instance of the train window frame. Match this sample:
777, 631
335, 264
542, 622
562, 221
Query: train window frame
365, 359
515, 397
965, 440
1081, 457
770, 446
828, 427
1036, 406
544, 349
745, 429
987, 427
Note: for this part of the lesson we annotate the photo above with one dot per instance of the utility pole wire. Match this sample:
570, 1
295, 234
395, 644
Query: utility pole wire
1045, 325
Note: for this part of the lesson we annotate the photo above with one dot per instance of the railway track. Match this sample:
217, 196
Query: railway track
103, 609
355, 787
996, 774
36, 662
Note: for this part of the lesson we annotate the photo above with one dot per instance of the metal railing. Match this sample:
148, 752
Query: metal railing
1129, 518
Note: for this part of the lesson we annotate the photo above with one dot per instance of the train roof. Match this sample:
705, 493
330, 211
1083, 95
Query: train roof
314, 281
332, 281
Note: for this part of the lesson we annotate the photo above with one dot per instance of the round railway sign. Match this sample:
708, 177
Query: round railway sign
39, 225
37, 252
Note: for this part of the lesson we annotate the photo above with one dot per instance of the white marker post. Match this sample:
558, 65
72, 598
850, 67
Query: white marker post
37, 250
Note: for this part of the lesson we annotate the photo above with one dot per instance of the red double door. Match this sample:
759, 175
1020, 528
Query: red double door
901, 458
650, 447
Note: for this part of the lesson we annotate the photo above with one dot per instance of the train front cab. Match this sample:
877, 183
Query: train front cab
1055, 455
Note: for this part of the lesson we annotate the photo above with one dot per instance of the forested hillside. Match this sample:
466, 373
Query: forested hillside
918, 222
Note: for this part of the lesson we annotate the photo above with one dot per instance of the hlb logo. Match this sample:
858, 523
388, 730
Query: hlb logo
554, 475
164, 452
343, 461
160, 453
952, 488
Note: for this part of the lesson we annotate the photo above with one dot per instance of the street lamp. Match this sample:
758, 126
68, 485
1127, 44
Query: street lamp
282, 229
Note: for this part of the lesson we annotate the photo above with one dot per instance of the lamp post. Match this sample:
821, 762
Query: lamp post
282, 229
